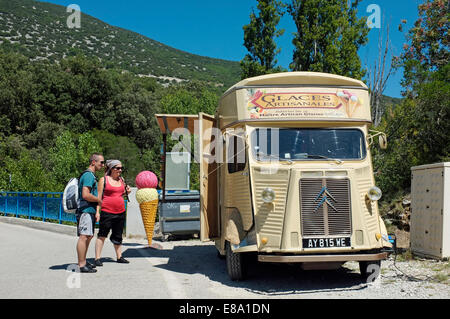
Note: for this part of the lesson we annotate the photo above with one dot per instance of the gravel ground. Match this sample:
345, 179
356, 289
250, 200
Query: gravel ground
418, 279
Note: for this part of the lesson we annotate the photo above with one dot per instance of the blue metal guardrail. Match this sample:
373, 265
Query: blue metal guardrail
43, 205
46, 206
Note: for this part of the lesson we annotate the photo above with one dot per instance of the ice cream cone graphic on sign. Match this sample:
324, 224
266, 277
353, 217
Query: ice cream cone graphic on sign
350, 101
353, 103
147, 197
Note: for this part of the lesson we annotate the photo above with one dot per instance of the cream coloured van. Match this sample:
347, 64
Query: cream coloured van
286, 173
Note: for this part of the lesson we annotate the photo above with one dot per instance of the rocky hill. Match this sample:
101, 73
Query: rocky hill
40, 31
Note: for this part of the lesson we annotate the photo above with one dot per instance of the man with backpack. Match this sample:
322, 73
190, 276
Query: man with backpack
86, 212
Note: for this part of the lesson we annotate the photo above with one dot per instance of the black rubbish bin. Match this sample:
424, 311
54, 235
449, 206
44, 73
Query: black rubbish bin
179, 213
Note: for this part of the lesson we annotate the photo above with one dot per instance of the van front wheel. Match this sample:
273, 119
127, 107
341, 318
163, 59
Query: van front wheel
235, 263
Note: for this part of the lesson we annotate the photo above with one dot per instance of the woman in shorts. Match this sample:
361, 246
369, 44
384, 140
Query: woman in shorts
111, 189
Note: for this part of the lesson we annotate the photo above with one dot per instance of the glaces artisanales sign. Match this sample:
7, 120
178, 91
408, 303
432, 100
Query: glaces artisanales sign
282, 100
288, 104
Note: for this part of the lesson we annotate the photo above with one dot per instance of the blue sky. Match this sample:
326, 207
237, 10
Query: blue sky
213, 28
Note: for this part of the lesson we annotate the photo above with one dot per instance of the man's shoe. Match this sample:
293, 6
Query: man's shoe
98, 262
90, 264
87, 269
122, 260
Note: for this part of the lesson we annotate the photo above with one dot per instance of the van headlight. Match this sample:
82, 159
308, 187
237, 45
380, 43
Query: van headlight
268, 195
374, 193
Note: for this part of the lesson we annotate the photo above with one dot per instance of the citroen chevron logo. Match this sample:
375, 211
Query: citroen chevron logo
325, 195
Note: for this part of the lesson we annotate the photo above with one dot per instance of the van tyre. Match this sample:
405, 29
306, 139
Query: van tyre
370, 270
235, 264
220, 256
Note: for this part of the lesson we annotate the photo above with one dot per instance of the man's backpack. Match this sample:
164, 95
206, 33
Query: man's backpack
71, 200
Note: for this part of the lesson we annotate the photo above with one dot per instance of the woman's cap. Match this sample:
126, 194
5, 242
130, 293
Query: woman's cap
112, 163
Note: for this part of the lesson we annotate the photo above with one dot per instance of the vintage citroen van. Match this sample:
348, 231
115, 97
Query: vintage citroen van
286, 174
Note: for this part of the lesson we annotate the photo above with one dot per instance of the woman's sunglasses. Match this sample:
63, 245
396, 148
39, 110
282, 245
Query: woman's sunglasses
119, 168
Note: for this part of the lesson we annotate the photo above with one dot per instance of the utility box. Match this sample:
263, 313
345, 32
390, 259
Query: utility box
430, 210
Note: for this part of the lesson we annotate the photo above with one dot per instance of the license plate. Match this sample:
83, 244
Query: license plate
326, 242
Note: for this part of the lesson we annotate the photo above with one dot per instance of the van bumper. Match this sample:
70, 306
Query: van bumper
322, 258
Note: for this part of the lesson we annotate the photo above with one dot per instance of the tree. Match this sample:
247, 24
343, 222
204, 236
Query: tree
21, 170
190, 98
426, 63
49, 113
123, 149
418, 128
328, 37
432, 115
378, 76
428, 50
25, 174
70, 156
18, 112
259, 37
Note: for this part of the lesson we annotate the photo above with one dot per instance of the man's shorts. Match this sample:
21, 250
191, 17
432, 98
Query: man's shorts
85, 224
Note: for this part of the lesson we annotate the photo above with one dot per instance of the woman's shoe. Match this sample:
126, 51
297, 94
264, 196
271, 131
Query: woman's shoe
98, 262
122, 260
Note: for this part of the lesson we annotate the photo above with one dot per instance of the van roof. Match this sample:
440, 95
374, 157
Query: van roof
297, 78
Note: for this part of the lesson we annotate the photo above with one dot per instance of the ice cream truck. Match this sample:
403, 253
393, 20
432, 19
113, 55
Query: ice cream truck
286, 173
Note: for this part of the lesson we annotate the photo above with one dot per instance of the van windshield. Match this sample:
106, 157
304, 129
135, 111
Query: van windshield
307, 144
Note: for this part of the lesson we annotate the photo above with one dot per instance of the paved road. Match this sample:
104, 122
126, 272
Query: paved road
34, 264
37, 263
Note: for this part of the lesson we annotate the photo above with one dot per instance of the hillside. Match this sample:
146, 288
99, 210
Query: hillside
39, 31
387, 100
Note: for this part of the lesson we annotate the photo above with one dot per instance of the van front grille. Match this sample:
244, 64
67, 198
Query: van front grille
325, 206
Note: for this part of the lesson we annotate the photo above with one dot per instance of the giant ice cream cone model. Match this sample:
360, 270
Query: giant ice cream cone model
147, 197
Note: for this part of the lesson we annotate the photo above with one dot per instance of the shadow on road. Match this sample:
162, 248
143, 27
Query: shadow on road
262, 278
61, 267
91, 260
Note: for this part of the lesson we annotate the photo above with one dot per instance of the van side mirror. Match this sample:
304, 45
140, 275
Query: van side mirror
382, 139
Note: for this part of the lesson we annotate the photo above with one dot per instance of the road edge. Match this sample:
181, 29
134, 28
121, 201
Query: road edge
36, 224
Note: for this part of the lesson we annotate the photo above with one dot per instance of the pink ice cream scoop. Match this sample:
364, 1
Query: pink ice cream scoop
146, 179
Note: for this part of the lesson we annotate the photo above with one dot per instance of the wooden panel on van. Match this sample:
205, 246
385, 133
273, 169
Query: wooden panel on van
209, 219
